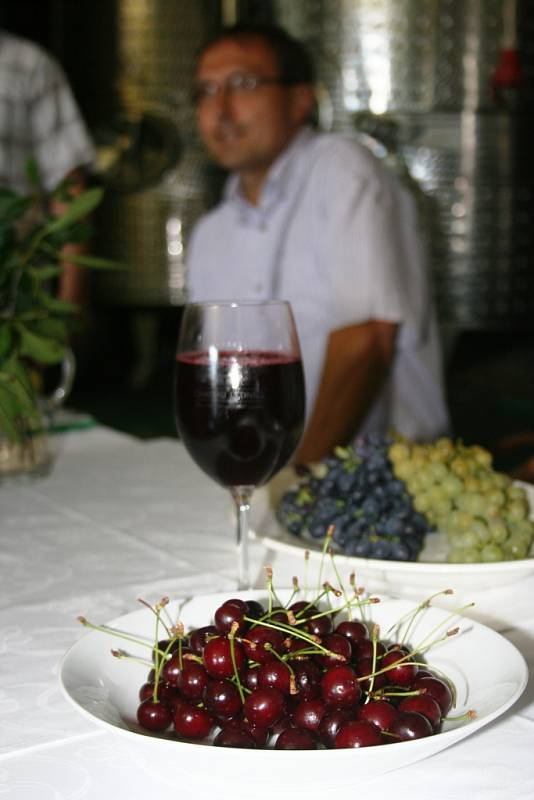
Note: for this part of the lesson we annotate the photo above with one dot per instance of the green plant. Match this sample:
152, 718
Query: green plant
34, 323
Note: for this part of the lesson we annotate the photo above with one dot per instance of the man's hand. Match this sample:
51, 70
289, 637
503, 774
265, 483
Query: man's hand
73, 283
356, 364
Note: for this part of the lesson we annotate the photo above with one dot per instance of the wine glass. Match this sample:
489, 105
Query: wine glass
239, 397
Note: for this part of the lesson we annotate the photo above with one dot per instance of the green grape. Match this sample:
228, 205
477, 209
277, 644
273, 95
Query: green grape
455, 555
491, 552
516, 510
452, 486
443, 507
467, 539
399, 452
501, 480
471, 555
472, 484
498, 530
422, 502
516, 492
481, 456
496, 498
481, 531
439, 471
403, 470
516, 547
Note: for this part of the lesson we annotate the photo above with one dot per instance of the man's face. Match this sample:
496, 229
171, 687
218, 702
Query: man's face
246, 130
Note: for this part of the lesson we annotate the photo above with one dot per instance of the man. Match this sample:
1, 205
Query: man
316, 220
39, 120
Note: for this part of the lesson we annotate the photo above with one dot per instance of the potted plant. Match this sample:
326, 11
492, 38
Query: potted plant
34, 323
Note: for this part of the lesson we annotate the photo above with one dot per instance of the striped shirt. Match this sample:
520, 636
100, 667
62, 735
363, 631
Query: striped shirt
39, 118
336, 235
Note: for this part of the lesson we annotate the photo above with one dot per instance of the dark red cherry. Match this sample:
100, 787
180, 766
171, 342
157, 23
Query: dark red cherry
234, 737
307, 679
410, 725
171, 670
339, 646
255, 610
154, 716
319, 626
217, 657
425, 705
363, 667
330, 725
308, 714
275, 675
340, 687
199, 637
250, 678
231, 612
192, 680
263, 707
192, 722
401, 675
296, 739
380, 712
255, 640
364, 649
222, 699
354, 631
435, 688
358, 733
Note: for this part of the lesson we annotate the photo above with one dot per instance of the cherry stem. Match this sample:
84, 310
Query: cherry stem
231, 638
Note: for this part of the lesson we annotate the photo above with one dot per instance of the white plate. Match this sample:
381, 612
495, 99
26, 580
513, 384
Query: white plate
105, 690
407, 578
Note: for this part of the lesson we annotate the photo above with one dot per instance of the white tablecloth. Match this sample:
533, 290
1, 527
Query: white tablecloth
119, 519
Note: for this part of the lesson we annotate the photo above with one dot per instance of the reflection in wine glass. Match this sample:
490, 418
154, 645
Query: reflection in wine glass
239, 397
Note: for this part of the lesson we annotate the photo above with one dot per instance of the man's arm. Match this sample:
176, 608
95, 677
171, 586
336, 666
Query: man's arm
356, 363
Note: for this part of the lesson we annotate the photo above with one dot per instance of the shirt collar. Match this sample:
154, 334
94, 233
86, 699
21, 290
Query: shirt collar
277, 181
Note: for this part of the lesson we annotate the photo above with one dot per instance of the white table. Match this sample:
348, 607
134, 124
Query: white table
119, 519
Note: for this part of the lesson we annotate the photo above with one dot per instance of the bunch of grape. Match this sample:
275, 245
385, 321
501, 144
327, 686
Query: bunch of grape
484, 514
356, 491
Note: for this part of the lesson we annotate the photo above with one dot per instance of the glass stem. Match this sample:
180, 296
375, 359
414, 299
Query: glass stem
242, 495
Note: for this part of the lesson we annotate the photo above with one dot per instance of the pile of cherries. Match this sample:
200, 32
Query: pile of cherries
293, 678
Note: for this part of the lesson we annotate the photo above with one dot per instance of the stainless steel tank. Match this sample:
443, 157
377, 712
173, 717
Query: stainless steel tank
419, 76
148, 152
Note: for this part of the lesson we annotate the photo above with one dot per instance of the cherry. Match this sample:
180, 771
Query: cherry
330, 724
255, 610
401, 675
308, 714
256, 639
340, 687
358, 733
275, 675
259, 735
295, 739
163, 647
264, 706
307, 679
231, 611
364, 649
302, 609
192, 722
234, 737
154, 716
354, 631
364, 666
165, 692
380, 712
217, 657
410, 725
336, 644
319, 626
251, 678
192, 680
435, 688
171, 670
199, 637
425, 705
222, 699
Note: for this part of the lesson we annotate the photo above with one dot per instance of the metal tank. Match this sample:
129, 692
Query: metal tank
149, 156
424, 83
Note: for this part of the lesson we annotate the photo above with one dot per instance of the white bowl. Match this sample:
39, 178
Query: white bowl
105, 690
405, 578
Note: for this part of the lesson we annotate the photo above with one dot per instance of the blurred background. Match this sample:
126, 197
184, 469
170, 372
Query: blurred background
441, 90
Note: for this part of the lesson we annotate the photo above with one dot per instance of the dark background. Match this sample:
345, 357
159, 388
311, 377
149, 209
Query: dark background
489, 373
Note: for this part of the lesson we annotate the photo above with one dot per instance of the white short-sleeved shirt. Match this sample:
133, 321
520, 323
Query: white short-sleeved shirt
39, 118
336, 235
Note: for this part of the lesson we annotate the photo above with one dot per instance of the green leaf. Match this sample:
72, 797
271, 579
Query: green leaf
32, 172
13, 366
12, 206
79, 207
42, 349
45, 273
51, 327
95, 262
6, 339
9, 416
25, 401
56, 305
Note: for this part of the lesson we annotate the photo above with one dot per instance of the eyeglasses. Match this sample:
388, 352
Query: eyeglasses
236, 83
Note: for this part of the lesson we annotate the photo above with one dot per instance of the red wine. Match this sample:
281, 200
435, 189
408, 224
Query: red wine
241, 415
